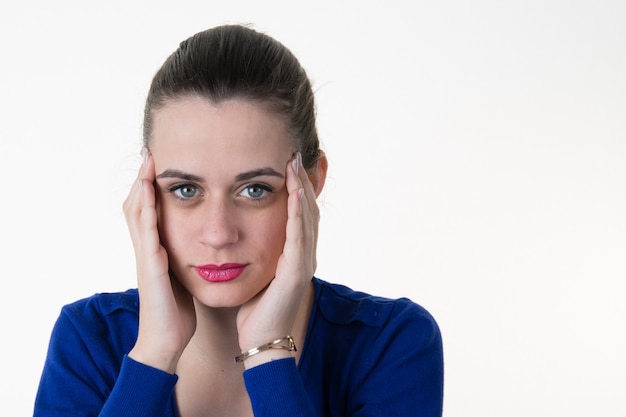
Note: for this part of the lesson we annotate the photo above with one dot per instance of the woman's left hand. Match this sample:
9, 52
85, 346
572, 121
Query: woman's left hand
270, 314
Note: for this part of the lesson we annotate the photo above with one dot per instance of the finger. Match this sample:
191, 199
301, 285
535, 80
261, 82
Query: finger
140, 209
294, 230
132, 204
134, 189
302, 221
134, 194
148, 210
311, 218
293, 181
309, 202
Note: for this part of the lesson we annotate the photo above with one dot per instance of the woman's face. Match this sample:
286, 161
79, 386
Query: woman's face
221, 195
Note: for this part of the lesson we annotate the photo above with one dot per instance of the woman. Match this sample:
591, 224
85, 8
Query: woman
223, 219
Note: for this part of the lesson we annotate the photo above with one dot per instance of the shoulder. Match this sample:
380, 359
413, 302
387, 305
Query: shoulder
86, 349
104, 304
360, 342
103, 318
342, 305
366, 335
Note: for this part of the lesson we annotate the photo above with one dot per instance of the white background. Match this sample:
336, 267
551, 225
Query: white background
477, 153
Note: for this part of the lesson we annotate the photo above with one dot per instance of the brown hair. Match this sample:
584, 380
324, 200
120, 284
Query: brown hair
234, 61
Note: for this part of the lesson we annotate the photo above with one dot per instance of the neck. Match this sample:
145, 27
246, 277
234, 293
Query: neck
216, 338
216, 335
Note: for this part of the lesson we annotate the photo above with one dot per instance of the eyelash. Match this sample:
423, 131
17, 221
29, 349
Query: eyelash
177, 187
266, 190
174, 189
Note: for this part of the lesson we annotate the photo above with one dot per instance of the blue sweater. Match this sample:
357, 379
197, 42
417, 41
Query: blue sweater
363, 356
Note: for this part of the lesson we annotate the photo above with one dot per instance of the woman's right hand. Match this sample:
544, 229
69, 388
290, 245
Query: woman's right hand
167, 318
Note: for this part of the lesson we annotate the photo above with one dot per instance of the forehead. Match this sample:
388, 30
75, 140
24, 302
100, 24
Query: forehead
237, 129
192, 116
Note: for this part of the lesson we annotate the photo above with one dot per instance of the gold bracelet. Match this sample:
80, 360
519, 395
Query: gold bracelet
276, 344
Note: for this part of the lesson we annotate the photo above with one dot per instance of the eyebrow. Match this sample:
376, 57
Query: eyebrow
244, 176
174, 173
262, 172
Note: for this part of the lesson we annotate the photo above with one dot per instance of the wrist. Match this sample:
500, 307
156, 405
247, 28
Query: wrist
161, 361
265, 357
281, 348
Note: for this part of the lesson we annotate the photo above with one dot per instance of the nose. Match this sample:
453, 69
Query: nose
219, 225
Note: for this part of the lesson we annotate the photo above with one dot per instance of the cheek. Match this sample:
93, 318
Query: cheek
270, 231
170, 226
276, 228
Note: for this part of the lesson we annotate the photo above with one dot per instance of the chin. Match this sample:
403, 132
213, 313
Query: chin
222, 297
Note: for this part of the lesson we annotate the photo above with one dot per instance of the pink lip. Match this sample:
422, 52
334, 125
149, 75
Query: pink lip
220, 273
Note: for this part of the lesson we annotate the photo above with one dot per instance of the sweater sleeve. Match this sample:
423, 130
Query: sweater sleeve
276, 390
86, 374
139, 391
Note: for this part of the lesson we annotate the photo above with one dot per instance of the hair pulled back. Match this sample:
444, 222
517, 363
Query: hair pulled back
232, 61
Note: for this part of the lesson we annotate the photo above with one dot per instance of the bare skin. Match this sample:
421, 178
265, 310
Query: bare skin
220, 184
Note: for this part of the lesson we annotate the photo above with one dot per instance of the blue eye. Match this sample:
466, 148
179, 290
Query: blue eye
255, 191
184, 191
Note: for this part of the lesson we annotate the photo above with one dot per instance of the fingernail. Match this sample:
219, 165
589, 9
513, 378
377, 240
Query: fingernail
297, 161
300, 193
144, 154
